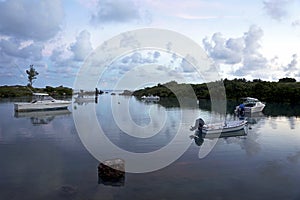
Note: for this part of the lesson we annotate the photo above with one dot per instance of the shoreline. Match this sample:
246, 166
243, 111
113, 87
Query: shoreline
23, 91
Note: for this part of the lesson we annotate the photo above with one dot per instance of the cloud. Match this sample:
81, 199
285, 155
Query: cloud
276, 9
162, 68
291, 69
36, 20
15, 55
71, 56
224, 51
293, 64
14, 48
141, 58
129, 40
131, 62
116, 11
156, 54
58, 56
14, 52
242, 52
82, 47
63, 63
296, 22
252, 39
186, 65
253, 59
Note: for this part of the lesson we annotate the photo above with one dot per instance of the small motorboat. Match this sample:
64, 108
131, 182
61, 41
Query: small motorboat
41, 101
150, 98
230, 126
249, 105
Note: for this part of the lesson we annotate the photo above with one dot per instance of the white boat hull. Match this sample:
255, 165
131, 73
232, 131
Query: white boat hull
221, 128
254, 109
34, 106
251, 105
150, 98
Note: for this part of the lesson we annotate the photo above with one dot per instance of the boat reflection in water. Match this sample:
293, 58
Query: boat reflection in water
199, 138
112, 172
86, 100
251, 118
42, 117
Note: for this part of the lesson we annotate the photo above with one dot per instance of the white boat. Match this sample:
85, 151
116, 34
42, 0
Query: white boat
230, 126
151, 98
251, 105
41, 101
199, 138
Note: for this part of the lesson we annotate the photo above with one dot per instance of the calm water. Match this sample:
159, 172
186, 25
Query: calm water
43, 156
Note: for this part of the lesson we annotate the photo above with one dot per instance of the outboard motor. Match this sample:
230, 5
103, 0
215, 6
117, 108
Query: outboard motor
241, 110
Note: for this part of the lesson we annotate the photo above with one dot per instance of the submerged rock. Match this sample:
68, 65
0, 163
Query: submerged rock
67, 190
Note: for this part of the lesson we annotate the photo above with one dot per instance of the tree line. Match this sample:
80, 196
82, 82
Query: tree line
285, 90
20, 91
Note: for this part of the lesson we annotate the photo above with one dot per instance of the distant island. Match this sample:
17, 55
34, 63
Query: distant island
286, 90
20, 91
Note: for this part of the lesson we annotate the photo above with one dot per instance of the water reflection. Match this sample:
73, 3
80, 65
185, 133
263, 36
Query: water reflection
247, 142
42, 117
251, 118
253, 164
86, 100
199, 138
271, 109
276, 109
295, 158
173, 103
292, 122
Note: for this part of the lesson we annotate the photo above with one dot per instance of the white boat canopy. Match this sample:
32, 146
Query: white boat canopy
40, 94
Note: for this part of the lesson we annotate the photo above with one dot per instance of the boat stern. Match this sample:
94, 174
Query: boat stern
16, 106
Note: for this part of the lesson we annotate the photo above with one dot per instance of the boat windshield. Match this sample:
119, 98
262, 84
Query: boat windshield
42, 98
249, 99
250, 104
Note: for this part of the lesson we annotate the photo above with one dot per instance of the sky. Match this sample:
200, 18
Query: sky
244, 39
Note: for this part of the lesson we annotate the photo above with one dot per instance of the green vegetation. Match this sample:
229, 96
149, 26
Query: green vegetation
20, 91
126, 93
286, 90
287, 80
32, 73
282, 91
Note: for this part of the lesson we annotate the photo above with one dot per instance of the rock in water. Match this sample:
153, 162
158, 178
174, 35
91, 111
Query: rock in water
112, 172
